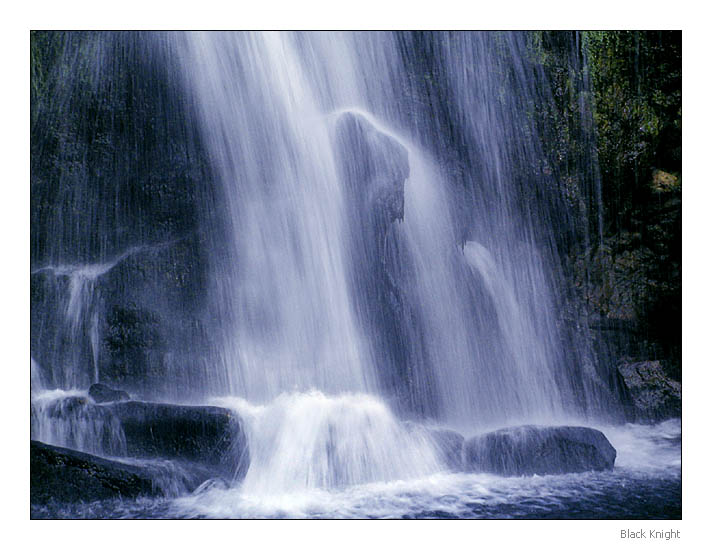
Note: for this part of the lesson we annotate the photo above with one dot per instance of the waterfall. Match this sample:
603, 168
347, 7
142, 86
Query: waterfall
310, 440
359, 235
283, 281
311, 140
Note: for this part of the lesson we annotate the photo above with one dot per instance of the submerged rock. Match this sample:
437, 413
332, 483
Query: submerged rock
655, 395
64, 475
541, 450
102, 393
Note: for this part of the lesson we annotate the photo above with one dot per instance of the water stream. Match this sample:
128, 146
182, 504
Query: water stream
371, 268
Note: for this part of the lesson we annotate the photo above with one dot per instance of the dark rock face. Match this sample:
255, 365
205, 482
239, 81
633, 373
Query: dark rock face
65, 475
152, 330
133, 269
102, 393
655, 395
206, 441
529, 450
208, 435
373, 167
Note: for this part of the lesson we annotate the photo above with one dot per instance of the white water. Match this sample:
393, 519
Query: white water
304, 441
284, 287
296, 287
533, 385
266, 102
295, 337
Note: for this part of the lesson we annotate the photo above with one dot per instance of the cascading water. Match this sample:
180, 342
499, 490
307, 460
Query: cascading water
357, 279
283, 280
311, 440
298, 141
301, 316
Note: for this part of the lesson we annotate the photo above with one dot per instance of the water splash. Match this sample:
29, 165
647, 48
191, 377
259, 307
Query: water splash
304, 441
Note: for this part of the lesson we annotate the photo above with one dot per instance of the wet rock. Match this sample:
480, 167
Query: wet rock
541, 450
64, 475
655, 395
78, 423
211, 436
208, 440
102, 393
133, 340
450, 445
374, 166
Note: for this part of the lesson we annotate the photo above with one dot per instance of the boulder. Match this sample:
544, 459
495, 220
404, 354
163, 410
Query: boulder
540, 450
64, 475
211, 436
209, 440
655, 395
102, 393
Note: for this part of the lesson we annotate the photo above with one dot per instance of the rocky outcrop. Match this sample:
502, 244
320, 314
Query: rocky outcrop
209, 441
102, 393
540, 450
655, 395
374, 166
64, 475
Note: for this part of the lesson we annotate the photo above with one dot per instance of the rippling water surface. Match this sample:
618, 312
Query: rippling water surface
645, 484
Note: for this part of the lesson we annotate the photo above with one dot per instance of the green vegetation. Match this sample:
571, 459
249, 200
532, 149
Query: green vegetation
630, 270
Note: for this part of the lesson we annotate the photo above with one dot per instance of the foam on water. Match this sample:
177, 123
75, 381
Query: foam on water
647, 448
303, 441
645, 480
